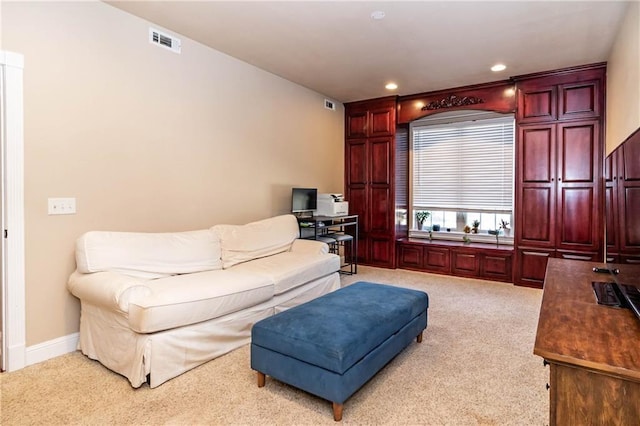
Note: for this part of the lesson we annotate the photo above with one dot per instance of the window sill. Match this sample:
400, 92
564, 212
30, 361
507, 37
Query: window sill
458, 236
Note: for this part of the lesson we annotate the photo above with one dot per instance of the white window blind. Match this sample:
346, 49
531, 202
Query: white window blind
465, 165
402, 167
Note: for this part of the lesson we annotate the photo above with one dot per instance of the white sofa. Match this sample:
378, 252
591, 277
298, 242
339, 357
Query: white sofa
154, 305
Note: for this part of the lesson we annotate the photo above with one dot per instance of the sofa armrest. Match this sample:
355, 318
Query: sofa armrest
110, 290
302, 245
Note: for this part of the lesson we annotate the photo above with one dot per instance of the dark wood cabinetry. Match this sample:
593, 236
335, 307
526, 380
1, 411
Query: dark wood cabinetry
592, 350
559, 191
622, 176
476, 260
370, 176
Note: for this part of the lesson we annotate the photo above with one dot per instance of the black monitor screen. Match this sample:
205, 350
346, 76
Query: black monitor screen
304, 199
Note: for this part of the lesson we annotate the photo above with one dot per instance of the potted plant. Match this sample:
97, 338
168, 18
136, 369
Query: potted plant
504, 225
421, 216
474, 226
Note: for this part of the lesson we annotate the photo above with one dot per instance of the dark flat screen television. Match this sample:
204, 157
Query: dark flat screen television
304, 200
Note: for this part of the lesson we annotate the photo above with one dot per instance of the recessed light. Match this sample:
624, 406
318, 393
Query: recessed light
377, 15
391, 86
498, 67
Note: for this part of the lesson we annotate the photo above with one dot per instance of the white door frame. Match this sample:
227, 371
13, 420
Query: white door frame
12, 215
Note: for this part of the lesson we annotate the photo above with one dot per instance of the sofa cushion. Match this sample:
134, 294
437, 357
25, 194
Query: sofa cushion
290, 270
191, 298
148, 255
241, 243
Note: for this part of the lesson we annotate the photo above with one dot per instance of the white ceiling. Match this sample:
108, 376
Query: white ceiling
336, 49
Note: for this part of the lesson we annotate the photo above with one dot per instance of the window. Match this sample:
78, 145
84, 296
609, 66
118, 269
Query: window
462, 170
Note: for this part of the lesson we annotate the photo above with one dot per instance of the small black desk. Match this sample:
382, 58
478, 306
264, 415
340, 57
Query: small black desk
313, 227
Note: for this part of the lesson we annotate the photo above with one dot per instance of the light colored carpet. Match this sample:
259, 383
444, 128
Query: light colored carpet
475, 366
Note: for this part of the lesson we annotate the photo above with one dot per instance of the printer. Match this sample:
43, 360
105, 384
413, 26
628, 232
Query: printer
332, 205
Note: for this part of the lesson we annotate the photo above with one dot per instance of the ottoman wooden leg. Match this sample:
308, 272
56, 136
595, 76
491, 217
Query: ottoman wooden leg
261, 379
419, 338
337, 411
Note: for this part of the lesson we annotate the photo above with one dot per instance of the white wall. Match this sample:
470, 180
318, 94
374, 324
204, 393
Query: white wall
623, 81
148, 140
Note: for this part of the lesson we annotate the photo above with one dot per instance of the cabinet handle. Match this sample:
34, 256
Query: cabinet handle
533, 253
547, 386
575, 257
634, 261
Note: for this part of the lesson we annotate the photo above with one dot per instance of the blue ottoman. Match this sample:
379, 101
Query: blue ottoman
334, 344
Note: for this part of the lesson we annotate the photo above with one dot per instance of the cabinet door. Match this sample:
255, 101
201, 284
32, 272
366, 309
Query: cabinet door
611, 202
465, 263
536, 189
409, 257
579, 100
497, 267
629, 196
381, 203
437, 259
381, 251
356, 124
536, 104
382, 122
531, 266
356, 166
579, 203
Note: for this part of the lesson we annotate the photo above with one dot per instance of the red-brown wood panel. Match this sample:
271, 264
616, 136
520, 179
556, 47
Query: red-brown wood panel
629, 197
382, 122
357, 164
437, 259
357, 196
631, 161
356, 124
409, 256
631, 218
497, 267
381, 251
576, 222
577, 152
611, 217
536, 104
537, 153
380, 210
537, 216
579, 208
579, 100
380, 160
466, 264
532, 265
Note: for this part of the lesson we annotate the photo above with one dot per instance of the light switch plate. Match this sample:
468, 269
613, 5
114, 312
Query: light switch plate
62, 206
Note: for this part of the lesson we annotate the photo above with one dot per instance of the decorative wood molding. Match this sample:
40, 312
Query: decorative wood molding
452, 101
498, 96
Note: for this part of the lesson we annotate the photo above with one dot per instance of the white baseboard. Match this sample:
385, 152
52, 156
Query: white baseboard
51, 349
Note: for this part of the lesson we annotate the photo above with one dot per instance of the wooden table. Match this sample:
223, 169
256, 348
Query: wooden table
593, 350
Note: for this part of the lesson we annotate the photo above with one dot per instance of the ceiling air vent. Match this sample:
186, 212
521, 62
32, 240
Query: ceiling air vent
329, 105
164, 40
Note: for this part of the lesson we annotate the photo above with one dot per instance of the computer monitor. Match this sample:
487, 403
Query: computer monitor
304, 200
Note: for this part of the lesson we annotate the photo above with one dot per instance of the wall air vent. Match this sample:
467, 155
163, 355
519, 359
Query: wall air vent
329, 105
164, 40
